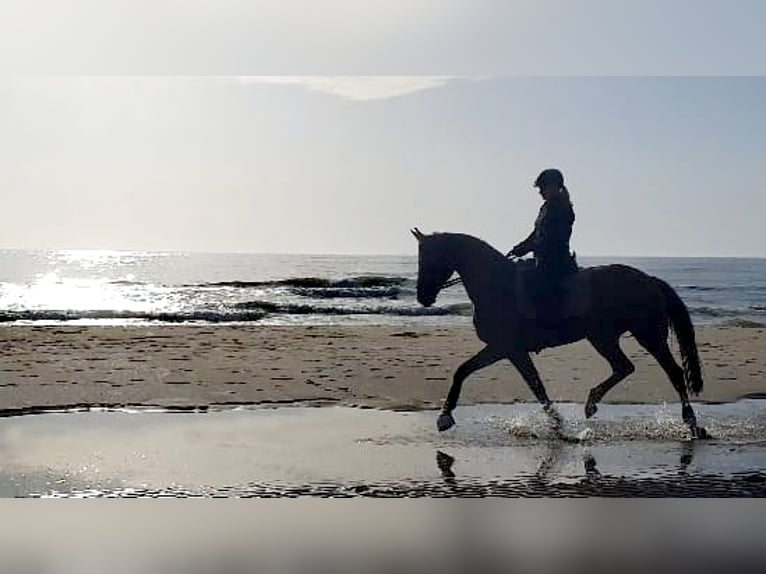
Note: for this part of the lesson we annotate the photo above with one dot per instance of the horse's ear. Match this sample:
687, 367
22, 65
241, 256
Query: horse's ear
418, 235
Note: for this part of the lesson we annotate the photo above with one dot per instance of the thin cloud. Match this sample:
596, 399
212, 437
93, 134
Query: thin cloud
358, 88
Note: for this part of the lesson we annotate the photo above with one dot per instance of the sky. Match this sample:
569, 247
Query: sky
400, 37
334, 127
657, 166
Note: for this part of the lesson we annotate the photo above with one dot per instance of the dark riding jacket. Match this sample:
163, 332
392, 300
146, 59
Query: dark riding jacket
549, 241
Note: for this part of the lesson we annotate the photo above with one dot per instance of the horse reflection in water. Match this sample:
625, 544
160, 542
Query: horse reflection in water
544, 482
613, 300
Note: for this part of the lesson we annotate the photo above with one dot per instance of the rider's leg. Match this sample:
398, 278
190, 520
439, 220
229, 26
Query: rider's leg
548, 296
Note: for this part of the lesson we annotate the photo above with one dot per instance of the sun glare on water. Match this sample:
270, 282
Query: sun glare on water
51, 291
95, 280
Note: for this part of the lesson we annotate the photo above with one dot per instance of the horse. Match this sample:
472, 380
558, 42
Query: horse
618, 299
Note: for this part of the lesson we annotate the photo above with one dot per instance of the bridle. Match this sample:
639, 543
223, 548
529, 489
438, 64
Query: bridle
458, 280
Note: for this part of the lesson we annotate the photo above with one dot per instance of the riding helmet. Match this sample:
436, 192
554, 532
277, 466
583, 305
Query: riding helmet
550, 176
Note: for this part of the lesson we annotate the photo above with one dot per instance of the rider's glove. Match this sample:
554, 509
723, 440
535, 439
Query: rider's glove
517, 251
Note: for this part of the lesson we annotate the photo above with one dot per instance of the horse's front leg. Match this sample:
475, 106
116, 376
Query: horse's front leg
523, 362
482, 359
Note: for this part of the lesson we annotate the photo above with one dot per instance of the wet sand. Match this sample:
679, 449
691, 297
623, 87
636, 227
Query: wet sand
496, 450
357, 452
371, 367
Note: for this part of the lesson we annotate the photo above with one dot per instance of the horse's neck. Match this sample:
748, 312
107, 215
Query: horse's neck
477, 264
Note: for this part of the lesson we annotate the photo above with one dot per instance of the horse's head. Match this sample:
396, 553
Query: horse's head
434, 266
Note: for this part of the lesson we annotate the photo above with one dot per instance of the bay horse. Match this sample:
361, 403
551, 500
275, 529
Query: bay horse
621, 299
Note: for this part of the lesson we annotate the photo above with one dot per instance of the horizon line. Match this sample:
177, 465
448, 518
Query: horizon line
350, 254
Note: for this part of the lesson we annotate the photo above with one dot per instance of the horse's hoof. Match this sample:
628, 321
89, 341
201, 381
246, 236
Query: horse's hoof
700, 433
590, 410
552, 413
444, 422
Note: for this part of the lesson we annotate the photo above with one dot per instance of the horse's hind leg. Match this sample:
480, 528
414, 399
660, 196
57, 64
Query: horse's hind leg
609, 348
482, 359
658, 347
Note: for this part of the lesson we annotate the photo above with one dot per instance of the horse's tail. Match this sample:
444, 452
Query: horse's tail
682, 326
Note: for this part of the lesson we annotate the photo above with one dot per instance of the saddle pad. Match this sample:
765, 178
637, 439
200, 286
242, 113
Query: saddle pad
576, 290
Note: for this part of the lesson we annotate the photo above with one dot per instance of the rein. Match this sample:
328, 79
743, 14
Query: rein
452, 282
458, 280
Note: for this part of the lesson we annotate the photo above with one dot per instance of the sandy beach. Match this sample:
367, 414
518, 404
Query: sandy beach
371, 367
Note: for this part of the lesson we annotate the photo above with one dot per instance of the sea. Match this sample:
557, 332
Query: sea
131, 287
495, 451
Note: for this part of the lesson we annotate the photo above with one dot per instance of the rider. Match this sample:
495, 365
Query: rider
549, 241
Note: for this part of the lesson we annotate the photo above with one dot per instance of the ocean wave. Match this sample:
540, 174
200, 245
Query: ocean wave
710, 311
360, 282
744, 324
720, 311
159, 316
727, 289
348, 292
371, 281
299, 309
127, 283
753, 316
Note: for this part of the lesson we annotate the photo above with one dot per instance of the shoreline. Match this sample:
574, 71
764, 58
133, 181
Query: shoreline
184, 368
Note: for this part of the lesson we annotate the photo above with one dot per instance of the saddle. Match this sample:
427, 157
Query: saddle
574, 291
